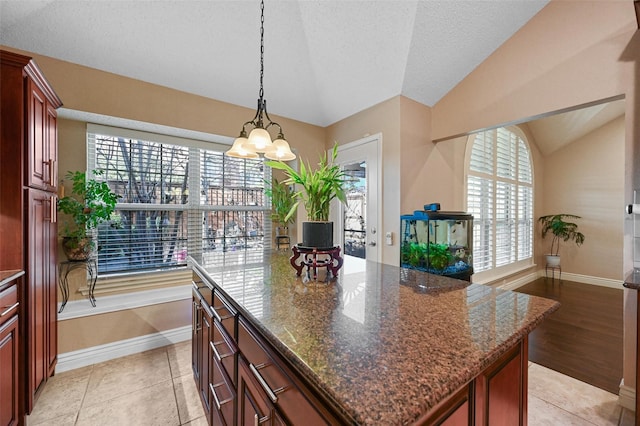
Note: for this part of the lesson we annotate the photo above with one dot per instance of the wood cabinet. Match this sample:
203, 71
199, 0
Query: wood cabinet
28, 183
497, 396
40, 289
9, 345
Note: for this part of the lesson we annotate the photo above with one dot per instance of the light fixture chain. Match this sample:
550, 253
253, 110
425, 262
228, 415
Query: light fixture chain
261, 47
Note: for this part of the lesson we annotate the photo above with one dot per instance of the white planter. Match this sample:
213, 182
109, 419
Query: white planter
553, 261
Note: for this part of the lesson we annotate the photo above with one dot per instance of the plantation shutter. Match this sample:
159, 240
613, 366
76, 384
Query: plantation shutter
500, 198
177, 198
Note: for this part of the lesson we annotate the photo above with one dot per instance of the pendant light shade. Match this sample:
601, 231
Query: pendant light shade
280, 151
239, 148
259, 140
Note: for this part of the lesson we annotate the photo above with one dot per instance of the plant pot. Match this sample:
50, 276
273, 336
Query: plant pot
317, 234
282, 231
77, 249
553, 261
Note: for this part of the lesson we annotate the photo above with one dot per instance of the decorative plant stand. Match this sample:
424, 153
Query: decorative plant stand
90, 265
553, 271
314, 258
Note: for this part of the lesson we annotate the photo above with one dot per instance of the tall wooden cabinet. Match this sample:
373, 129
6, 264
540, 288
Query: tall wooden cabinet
28, 201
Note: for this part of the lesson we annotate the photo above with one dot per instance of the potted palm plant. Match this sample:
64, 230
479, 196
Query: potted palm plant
281, 204
562, 229
317, 188
91, 203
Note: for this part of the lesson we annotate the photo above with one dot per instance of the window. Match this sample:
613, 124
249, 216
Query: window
500, 198
177, 198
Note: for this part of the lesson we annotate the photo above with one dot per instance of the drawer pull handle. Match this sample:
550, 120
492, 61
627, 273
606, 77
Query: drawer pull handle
272, 396
9, 309
257, 421
216, 353
215, 397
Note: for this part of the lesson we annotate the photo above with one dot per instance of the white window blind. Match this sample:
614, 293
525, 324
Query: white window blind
500, 198
177, 197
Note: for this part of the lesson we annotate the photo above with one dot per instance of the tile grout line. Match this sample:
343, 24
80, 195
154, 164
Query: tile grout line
84, 395
173, 386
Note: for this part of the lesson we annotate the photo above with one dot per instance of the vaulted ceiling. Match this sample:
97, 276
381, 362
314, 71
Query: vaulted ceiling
324, 60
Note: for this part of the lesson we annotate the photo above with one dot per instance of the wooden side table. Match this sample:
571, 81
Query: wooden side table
314, 258
90, 265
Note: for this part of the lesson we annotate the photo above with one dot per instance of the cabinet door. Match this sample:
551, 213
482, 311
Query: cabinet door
41, 291
42, 140
455, 411
9, 372
253, 408
51, 163
501, 390
207, 358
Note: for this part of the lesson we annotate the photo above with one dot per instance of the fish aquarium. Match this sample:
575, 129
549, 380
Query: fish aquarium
437, 242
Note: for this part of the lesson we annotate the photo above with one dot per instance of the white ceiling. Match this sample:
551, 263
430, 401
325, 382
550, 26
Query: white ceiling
324, 60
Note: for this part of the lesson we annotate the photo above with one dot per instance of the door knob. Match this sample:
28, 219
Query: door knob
372, 243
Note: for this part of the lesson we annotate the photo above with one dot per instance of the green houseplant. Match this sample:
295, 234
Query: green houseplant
91, 203
562, 228
317, 188
281, 203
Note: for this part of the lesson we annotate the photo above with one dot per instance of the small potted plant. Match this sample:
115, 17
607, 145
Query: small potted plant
91, 203
282, 201
317, 189
562, 229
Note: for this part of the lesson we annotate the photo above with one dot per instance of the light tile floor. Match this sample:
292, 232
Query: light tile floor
156, 388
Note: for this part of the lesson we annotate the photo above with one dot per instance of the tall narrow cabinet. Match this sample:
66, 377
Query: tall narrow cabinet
28, 200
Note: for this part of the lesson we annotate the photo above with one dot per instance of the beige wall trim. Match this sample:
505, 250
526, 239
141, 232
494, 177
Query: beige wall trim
120, 302
84, 357
585, 279
627, 397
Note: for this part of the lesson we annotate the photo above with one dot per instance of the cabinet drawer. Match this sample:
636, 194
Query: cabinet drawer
268, 371
8, 303
223, 311
224, 395
223, 350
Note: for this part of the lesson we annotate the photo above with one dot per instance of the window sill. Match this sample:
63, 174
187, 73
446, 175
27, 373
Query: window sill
120, 302
507, 278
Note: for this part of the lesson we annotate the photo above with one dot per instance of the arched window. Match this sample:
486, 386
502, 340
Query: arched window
500, 198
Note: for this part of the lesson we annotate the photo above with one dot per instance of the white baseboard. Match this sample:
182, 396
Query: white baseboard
518, 282
83, 357
627, 397
586, 279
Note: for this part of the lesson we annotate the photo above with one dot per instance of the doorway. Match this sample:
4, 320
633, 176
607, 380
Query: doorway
358, 220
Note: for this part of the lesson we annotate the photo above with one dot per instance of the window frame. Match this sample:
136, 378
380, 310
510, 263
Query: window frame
193, 209
497, 272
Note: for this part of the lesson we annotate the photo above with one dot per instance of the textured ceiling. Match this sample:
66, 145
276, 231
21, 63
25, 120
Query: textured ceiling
324, 60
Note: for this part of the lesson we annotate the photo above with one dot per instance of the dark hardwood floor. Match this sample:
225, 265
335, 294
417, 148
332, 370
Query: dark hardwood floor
582, 339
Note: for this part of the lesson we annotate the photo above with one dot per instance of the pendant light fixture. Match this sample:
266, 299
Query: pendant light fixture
259, 139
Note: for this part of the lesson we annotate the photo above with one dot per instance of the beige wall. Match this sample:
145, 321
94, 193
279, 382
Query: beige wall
86, 332
586, 178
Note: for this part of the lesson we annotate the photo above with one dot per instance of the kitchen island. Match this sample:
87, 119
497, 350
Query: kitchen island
378, 345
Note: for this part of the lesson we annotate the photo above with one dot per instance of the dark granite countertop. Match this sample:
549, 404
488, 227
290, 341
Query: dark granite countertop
385, 344
632, 280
